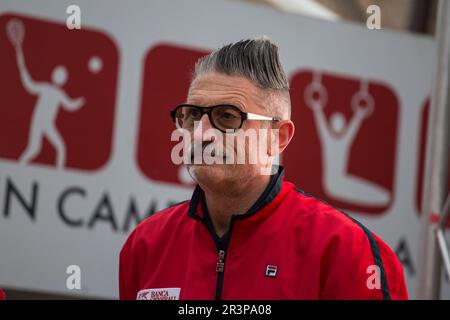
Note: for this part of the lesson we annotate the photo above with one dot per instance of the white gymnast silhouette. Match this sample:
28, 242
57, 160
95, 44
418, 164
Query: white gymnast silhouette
336, 142
50, 98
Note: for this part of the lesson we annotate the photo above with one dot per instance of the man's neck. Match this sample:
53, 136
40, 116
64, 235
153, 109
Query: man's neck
238, 200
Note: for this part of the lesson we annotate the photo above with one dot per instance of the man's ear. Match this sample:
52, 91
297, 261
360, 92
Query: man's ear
286, 131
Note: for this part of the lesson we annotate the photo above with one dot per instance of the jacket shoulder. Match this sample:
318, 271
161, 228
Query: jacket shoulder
163, 217
154, 228
354, 243
324, 213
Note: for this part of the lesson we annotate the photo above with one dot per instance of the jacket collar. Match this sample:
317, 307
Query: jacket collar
197, 206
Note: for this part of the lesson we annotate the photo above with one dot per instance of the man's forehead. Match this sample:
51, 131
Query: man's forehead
214, 88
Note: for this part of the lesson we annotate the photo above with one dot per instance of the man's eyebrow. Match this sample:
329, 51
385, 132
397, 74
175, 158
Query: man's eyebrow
236, 105
208, 105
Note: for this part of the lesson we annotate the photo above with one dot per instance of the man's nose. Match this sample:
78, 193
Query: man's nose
202, 125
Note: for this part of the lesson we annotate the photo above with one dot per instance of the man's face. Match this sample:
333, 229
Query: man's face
212, 89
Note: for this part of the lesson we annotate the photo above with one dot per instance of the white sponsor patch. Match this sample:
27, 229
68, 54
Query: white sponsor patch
159, 294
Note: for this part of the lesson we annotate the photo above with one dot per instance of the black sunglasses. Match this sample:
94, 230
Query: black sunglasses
223, 117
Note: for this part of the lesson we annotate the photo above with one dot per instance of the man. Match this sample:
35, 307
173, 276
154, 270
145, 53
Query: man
246, 234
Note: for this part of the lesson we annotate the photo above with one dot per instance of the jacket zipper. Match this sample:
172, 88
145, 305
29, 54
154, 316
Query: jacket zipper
220, 267
220, 263
222, 249
221, 256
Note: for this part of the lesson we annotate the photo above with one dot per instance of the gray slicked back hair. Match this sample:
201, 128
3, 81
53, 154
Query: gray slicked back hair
257, 60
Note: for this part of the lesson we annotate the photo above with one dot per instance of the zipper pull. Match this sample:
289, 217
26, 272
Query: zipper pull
220, 264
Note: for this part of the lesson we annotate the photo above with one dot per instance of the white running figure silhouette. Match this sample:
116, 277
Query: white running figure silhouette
336, 144
50, 98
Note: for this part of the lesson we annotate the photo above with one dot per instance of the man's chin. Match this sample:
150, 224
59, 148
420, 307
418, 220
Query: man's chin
204, 173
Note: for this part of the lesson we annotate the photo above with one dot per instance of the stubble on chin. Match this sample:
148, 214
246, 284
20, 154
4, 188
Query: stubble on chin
204, 174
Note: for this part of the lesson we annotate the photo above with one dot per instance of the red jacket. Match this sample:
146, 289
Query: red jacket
289, 245
2, 295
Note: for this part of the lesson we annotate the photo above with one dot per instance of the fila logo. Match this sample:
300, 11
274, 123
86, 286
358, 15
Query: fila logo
271, 270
